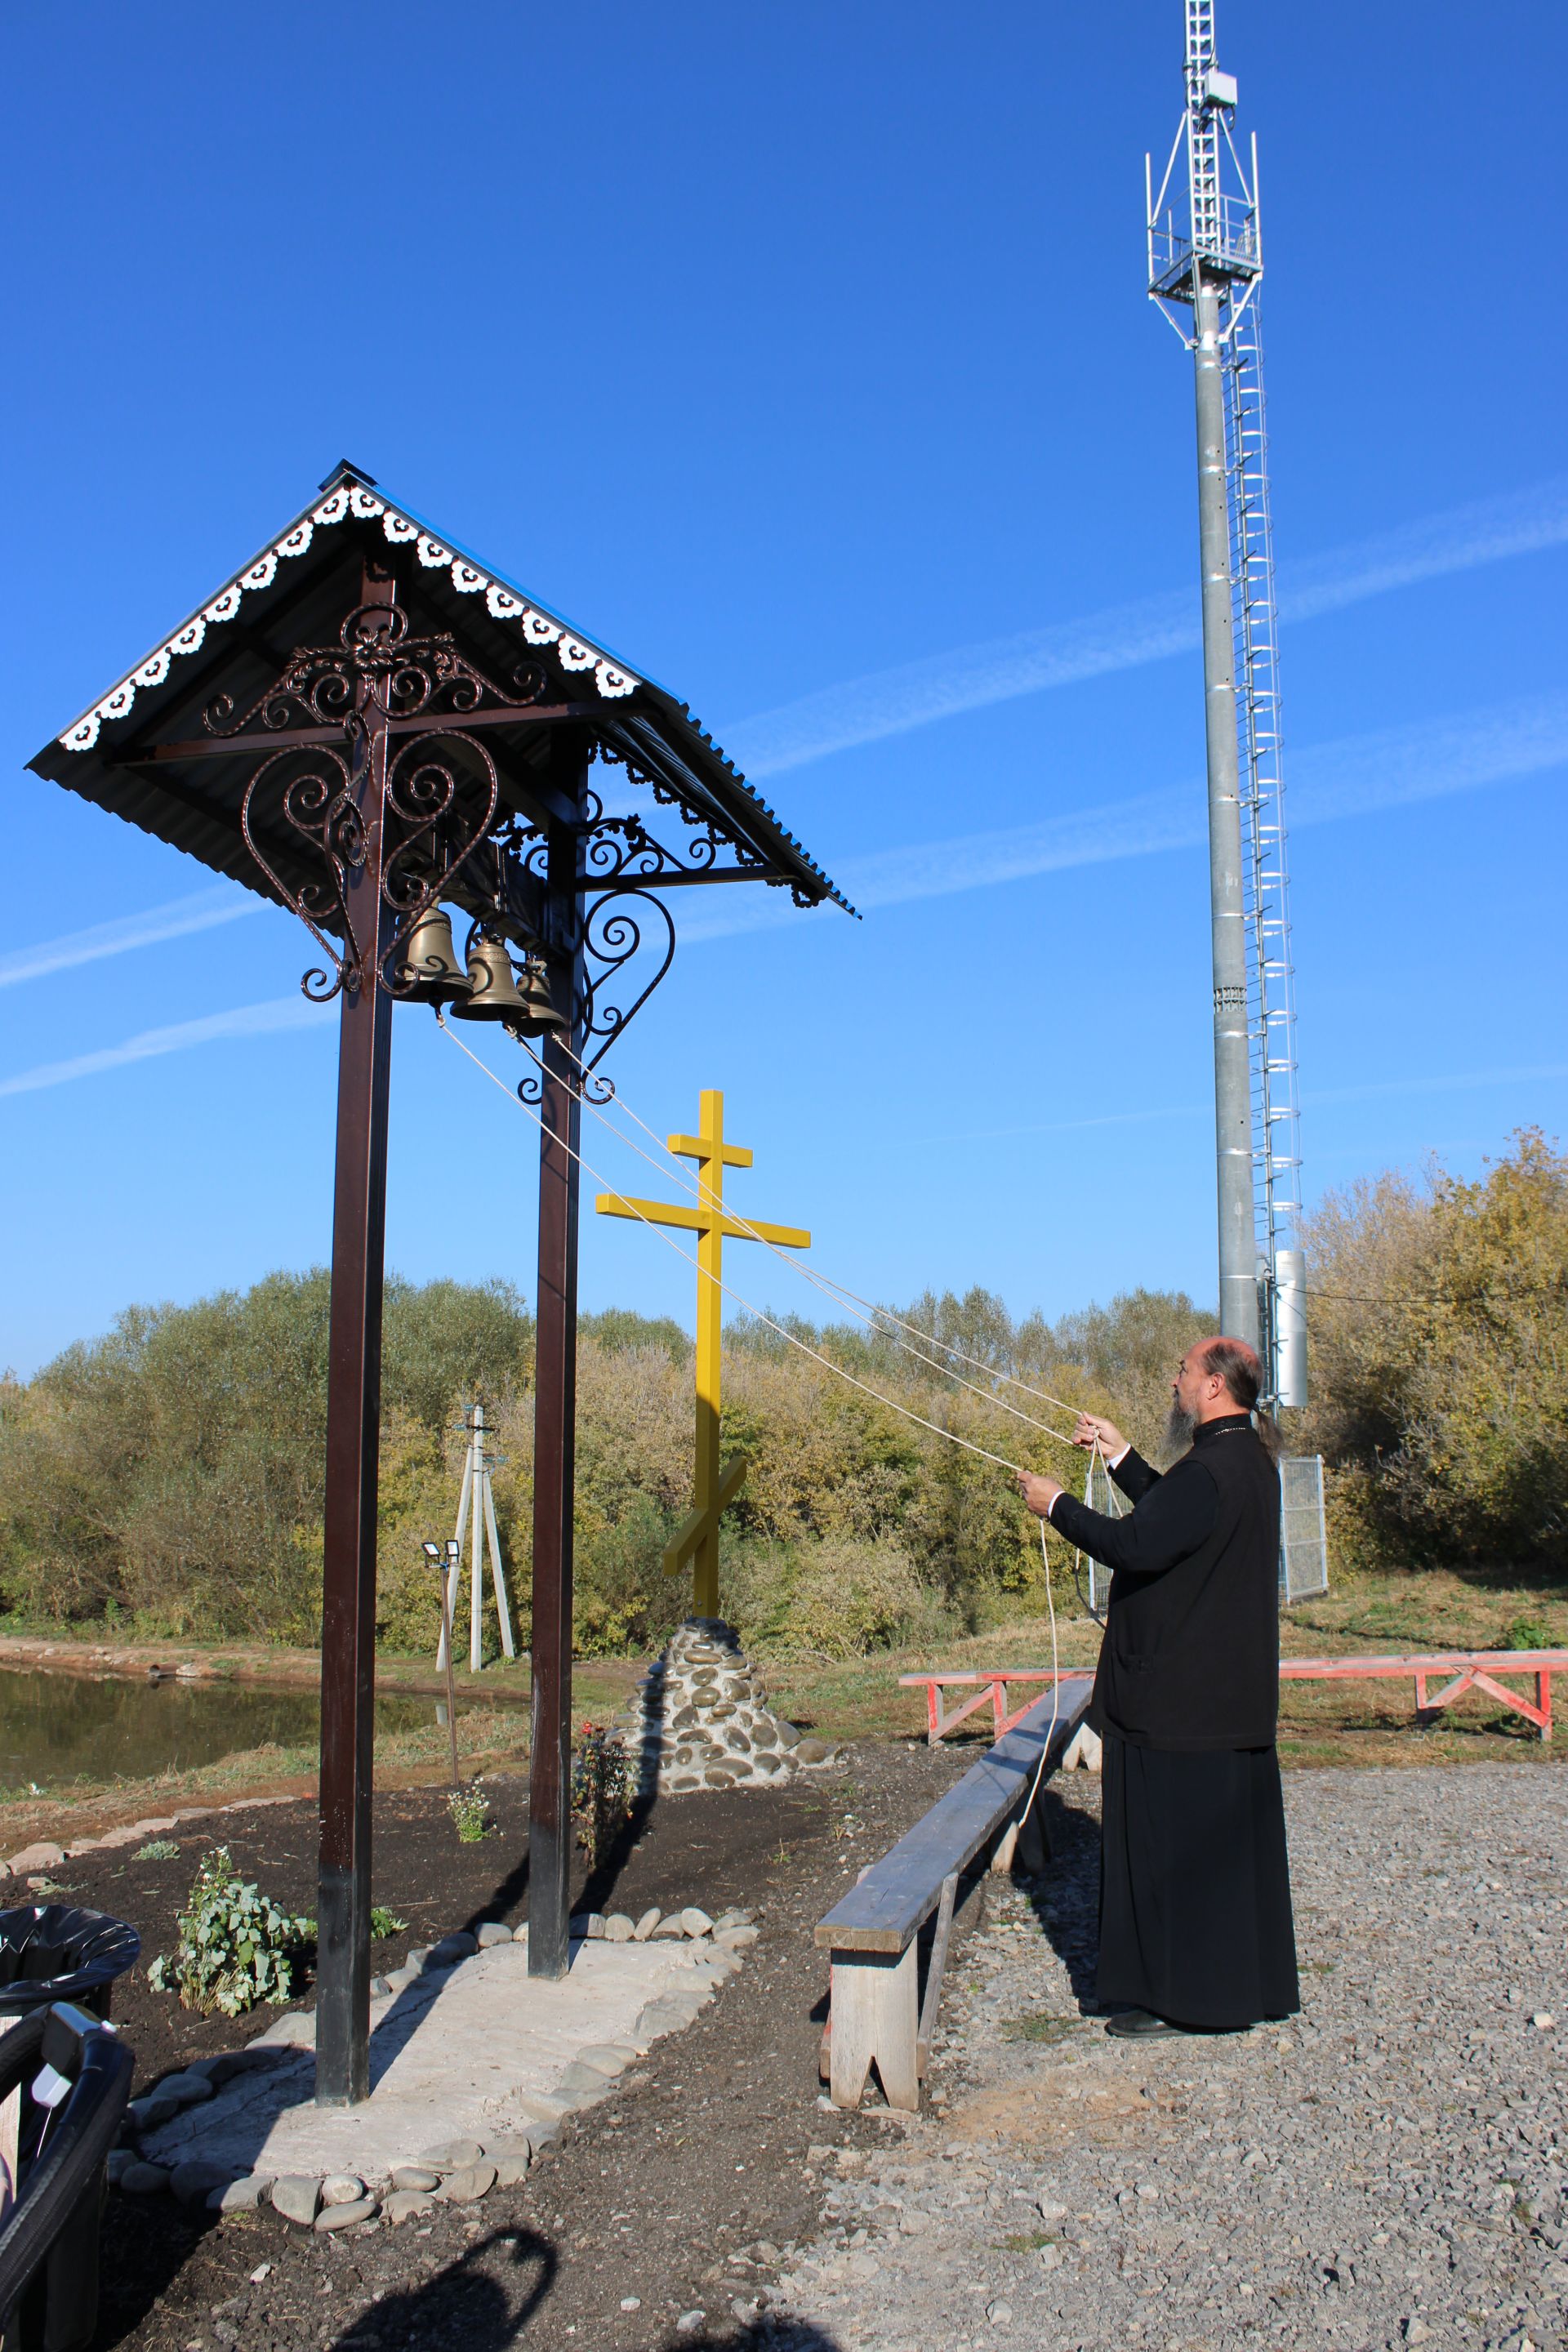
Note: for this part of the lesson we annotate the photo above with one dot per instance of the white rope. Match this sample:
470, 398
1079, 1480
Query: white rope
1055, 1674
826, 1361
865, 1310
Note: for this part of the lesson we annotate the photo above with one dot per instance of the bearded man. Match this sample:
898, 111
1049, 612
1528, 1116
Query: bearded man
1195, 1927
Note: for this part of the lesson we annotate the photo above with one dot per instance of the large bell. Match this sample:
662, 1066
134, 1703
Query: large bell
492, 993
430, 962
539, 1013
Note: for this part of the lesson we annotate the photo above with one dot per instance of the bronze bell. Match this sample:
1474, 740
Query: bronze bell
538, 1013
492, 990
430, 961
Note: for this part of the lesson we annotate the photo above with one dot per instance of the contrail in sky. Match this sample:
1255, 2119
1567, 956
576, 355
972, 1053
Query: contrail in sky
244, 1021
1358, 776
1449, 1082
968, 677
199, 912
894, 701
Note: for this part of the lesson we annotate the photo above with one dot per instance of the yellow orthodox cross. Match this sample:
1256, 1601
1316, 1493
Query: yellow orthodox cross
712, 1487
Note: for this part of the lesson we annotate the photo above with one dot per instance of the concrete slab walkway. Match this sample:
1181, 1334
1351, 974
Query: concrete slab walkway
477, 2052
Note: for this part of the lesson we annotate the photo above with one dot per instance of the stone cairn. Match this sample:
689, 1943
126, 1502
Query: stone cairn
702, 1720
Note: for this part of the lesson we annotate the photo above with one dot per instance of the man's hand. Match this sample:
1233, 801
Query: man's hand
1093, 1429
1040, 1493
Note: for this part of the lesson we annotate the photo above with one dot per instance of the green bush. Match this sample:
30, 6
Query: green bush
236, 1949
1440, 1332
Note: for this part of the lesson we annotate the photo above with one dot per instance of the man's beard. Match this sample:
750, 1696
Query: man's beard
1179, 1427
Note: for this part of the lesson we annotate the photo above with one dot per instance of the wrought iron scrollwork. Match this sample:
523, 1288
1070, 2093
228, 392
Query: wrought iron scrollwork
430, 826
435, 837
319, 803
590, 1086
319, 686
613, 936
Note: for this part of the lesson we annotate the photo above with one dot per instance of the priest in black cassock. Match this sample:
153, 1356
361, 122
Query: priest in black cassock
1196, 1929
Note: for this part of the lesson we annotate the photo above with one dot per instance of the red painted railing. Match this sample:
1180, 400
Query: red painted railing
1466, 1670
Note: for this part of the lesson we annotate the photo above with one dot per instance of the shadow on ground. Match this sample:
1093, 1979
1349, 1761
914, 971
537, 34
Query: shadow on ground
1065, 1898
466, 2305
486, 2299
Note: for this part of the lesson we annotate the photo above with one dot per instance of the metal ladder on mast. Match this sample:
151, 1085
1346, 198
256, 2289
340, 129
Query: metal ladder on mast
1271, 1006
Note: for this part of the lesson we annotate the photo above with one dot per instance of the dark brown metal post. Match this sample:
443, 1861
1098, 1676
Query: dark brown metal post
554, 1454
353, 1428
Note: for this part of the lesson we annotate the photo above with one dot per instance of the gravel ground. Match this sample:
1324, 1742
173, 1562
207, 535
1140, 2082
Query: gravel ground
1390, 2169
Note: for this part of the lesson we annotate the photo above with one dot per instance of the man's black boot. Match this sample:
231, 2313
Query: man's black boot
1140, 2025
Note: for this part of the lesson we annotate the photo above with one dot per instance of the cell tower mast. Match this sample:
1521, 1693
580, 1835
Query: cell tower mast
1205, 259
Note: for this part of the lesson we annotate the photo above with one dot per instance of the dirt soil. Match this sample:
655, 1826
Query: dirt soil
653, 2197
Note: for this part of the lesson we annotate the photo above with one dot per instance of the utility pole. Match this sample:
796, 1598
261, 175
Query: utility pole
1206, 255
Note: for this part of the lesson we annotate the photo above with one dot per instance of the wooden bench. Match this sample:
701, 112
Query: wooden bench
1467, 1670
993, 1687
877, 2014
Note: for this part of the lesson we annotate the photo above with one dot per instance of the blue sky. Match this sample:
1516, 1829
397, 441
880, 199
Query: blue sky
803, 356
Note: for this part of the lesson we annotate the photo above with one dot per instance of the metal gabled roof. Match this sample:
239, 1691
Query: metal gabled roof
298, 587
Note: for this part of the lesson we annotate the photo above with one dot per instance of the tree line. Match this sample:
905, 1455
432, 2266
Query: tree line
166, 1478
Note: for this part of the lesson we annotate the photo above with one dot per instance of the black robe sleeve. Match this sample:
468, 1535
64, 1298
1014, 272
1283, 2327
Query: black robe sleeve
1172, 1517
1134, 1475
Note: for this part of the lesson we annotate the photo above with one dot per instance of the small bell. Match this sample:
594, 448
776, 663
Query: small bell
492, 989
430, 962
538, 1013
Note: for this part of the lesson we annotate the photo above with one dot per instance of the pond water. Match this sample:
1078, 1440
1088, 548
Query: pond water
58, 1728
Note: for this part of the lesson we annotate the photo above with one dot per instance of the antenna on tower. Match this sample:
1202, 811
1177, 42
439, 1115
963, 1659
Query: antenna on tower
1205, 264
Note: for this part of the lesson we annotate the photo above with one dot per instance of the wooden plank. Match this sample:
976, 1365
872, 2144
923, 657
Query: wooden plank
1499, 1662
1002, 1674
899, 1893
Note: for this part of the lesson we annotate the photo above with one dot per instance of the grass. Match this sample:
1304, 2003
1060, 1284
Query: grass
1040, 2026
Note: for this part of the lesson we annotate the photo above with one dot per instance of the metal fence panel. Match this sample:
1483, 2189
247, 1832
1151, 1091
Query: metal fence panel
1101, 1493
1304, 1534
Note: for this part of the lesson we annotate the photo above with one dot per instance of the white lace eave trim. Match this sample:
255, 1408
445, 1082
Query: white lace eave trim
504, 603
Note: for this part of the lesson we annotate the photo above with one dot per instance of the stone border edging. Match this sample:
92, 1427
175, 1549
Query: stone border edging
459, 2171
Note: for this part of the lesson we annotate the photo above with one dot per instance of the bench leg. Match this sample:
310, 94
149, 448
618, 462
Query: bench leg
936, 1969
1034, 1837
876, 2021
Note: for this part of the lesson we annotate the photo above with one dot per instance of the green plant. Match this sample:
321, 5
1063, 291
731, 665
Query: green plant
157, 1850
470, 1811
236, 1947
384, 1922
601, 1789
1527, 1634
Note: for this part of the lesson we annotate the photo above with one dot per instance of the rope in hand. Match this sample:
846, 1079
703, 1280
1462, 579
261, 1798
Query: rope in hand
817, 1356
1095, 1456
1056, 1687
864, 1310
